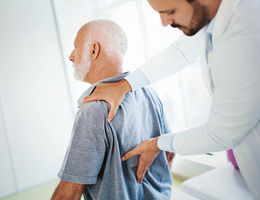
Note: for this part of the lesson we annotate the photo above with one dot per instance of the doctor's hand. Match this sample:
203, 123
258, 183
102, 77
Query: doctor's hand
148, 151
112, 93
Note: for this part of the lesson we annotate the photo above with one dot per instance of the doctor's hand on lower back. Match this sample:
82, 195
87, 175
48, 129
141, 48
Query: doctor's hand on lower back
148, 151
113, 93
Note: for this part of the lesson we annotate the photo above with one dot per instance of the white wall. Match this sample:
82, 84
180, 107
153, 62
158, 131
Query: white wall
7, 185
34, 94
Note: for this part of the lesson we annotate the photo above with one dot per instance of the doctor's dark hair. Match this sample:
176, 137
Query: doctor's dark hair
190, 1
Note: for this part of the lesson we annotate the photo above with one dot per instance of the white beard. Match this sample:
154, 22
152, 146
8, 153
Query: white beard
81, 70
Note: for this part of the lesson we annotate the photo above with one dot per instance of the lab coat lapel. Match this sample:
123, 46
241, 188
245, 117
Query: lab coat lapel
204, 64
223, 18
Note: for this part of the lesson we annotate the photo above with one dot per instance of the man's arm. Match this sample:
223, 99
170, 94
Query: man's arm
86, 152
68, 191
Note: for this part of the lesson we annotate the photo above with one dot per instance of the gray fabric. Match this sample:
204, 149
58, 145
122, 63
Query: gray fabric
96, 147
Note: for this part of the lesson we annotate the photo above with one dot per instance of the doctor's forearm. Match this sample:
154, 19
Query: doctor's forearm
198, 140
165, 142
137, 79
188, 142
167, 62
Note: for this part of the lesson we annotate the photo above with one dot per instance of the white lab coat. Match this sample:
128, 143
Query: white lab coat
232, 76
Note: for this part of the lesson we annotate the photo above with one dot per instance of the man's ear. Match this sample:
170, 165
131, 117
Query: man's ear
95, 50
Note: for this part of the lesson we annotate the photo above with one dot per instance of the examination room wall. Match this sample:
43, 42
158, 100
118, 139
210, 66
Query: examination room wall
36, 112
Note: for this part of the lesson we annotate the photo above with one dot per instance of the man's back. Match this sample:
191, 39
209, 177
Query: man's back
93, 157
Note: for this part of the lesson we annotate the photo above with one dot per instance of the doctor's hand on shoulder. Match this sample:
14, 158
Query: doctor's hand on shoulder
112, 93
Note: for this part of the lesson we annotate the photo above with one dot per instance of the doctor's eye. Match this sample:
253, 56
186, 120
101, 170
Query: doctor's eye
170, 12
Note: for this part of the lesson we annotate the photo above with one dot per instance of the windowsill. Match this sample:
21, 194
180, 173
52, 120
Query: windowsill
186, 167
216, 159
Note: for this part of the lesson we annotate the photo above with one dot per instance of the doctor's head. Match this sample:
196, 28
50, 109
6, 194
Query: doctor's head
99, 48
187, 15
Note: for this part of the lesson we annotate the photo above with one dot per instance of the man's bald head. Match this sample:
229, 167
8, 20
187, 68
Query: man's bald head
98, 40
110, 35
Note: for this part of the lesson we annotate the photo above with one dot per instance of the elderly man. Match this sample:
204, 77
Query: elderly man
92, 165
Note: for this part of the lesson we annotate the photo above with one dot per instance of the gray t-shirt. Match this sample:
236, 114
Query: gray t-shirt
94, 154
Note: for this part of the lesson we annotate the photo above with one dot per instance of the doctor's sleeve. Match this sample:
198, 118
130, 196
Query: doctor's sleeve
183, 52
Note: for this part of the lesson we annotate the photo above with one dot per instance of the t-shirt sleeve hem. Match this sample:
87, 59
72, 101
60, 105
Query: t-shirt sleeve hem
77, 179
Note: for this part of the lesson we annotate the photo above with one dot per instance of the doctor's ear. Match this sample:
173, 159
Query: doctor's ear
94, 50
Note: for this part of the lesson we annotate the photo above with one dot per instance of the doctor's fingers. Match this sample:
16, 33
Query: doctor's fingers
98, 94
112, 111
141, 170
131, 153
145, 161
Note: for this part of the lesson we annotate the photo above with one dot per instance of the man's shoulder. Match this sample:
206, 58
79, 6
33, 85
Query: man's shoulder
94, 110
150, 93
147, 91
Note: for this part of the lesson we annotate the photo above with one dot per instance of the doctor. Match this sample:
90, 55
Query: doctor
226, 36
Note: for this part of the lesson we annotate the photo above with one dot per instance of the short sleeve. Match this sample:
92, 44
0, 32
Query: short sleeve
87, 149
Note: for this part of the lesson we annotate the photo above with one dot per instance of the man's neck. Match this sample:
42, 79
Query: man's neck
105, 76
103, 71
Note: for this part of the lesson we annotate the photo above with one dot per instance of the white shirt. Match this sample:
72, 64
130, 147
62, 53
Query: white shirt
232, 76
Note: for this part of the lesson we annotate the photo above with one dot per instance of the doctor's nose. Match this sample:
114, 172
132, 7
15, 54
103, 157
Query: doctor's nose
166, 20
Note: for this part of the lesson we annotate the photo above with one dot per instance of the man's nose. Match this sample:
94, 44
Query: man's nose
72, 56
166, 20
